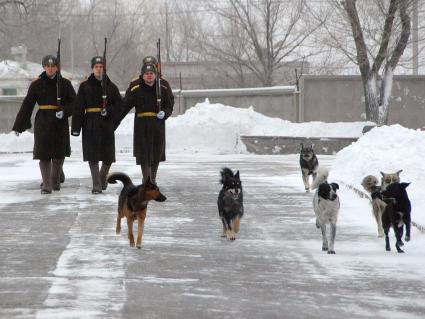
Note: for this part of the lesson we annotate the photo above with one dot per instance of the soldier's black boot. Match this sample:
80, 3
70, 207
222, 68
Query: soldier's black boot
56, 173
62, 178
146, 172
104, 170
95, 175
45, 167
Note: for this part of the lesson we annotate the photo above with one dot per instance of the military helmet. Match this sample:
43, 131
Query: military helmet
149, 67
95, 60
150, 60
49, 60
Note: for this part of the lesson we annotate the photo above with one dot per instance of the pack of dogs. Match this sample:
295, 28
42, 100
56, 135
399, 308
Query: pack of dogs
390, 202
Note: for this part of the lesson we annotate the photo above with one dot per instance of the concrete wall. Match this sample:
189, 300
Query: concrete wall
341, 99
278, 145
273, 102
322, 98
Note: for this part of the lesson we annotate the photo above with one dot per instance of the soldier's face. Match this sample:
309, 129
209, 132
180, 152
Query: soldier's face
98, 70
51, 70
149, 77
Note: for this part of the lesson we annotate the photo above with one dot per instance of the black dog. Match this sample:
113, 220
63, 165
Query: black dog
309, 164
397, 213
230, 203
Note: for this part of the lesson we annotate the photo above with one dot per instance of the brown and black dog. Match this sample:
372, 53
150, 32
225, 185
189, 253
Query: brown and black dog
133, 204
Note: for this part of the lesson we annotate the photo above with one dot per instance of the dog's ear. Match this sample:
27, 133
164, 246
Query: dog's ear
398, 172
383, 174
237, 175
404, 185
335, 186
148, 180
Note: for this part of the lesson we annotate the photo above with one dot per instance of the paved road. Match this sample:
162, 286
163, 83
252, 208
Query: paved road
60, 257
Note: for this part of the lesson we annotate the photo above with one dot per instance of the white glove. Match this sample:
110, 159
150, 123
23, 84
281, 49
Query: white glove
104, 112
160, 115
59, 115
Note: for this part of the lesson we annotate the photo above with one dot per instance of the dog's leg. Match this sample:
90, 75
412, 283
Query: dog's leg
305, 181
229, 232
237, 224
332, 239
224, 227
398, 234
140, 227
379, 220
118, 227
130, 230
324, 239
407, 238
387, 240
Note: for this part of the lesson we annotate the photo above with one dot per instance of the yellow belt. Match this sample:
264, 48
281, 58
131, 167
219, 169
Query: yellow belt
48, 107
146, 114
93, 109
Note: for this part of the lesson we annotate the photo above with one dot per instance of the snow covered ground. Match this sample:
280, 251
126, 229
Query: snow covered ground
209, 132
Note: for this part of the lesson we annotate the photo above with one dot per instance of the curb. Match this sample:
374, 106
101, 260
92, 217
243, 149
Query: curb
362, 194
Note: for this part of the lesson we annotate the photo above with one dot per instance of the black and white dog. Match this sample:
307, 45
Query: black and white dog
230, 203
326, 207
309, 164
396, 214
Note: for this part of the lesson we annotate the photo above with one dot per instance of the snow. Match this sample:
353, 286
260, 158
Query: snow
208, 128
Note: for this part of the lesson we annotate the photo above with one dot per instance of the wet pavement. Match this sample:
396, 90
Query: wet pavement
60, 257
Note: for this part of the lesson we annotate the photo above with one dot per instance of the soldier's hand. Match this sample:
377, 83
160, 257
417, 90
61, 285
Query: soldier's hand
17, 133
160, 115
59, 115
104, 112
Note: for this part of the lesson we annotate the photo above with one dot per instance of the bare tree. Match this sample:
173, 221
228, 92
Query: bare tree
256, 37
377, 71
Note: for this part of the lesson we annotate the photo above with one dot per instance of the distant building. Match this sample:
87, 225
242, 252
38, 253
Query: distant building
16, 75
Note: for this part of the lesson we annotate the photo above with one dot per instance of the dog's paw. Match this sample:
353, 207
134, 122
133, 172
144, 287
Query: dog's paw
324, 248
407, 238
400, 243
331, 252
132, 245
139, 246
307, 190
388, 248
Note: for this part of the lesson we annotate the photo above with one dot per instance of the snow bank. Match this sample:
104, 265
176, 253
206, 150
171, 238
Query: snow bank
212, 129
386, 149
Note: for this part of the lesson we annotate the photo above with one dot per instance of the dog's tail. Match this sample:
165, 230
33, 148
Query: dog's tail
122, 177
322, 176
225, 174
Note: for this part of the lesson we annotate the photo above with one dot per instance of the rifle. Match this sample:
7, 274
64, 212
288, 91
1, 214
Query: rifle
158, 76
104, 94
59, 78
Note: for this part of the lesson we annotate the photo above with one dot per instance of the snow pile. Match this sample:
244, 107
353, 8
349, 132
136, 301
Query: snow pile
386, 149
215, 129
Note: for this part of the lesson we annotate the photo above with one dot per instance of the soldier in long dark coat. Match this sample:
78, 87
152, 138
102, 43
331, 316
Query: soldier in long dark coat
97, 123
51, 129
149, 121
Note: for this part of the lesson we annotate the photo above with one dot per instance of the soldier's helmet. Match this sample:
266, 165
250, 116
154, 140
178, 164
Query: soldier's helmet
95, 60
49, 60
150, 60
148, 68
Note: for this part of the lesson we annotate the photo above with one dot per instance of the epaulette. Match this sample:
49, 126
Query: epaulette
134, 87
134, 79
